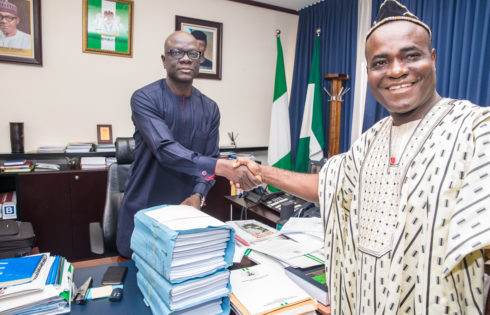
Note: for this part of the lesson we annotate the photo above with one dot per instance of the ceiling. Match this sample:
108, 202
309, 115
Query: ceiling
290, 4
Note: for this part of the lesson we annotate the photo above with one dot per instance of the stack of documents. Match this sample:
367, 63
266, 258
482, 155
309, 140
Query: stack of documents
79, 147
92, 163
17, 166
290, 246
37, 284
106, 148
182, 254
263, 290
51, 149
40, 166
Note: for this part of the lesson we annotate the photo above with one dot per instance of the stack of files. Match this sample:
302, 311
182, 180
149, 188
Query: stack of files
51, 149
261, 289
106, 148
92, 163
37, 284
296, 252
178, 296
17, 166
46, 167
182, 254
79, 147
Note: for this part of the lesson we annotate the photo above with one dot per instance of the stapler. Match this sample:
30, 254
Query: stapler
81, 292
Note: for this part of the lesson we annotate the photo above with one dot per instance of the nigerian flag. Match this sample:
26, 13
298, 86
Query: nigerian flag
311, 138
279, 137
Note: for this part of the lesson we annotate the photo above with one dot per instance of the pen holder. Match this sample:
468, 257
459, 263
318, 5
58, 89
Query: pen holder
17, 137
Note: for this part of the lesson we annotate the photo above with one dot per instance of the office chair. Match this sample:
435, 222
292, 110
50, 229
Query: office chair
103, 238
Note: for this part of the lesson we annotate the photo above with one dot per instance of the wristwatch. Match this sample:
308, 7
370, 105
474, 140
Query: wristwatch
201, 197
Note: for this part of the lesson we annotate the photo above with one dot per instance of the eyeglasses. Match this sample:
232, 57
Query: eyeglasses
8, 18
179, 53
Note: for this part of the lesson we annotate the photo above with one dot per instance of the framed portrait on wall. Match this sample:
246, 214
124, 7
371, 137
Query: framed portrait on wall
209, 37
108, 27
20, 31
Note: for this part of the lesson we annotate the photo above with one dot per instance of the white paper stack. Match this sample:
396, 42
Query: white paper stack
290, 247
92, 162
182, 254
259, 290
79, 147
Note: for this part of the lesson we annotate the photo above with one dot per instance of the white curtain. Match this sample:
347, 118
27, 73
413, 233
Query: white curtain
364, 23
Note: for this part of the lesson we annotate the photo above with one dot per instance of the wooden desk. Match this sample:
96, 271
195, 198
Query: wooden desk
253, 211
99, 262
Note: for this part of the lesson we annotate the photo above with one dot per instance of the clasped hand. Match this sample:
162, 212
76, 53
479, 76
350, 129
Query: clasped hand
242, 173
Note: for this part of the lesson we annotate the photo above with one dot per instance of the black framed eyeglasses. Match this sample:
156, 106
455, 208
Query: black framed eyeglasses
179, 53
8, 18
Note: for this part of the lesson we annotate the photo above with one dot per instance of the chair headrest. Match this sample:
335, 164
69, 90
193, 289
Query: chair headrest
124, 150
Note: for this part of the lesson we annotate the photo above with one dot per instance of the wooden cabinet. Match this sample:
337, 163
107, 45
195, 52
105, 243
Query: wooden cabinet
60, 206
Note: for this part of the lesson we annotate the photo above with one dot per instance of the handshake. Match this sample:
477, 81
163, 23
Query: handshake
243, 173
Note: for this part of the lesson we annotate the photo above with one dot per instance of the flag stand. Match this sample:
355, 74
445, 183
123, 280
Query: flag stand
337, 91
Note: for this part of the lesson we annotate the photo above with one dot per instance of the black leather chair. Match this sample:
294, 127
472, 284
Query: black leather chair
103, 238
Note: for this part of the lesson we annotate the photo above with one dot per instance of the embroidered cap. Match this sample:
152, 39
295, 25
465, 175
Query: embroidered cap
391, 11
8, 7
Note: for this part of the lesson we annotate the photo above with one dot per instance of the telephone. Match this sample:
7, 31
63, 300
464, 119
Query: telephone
307, 210
274, 200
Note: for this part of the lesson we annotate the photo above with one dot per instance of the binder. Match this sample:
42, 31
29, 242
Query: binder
14, 271
182, 242
220, 306
188, 293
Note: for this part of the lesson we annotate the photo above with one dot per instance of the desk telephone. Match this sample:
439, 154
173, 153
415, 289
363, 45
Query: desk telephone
274, 201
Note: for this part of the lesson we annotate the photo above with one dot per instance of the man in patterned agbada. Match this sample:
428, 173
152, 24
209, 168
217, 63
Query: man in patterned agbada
406, 210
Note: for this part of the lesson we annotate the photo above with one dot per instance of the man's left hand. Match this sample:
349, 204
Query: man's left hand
193, 201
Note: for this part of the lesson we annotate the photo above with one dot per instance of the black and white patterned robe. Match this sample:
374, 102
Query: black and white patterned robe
408, 238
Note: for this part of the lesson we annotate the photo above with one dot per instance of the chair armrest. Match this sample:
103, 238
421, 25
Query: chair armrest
96, 238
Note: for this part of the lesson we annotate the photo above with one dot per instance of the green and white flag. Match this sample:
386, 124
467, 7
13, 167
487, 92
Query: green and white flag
279, 137
311, 138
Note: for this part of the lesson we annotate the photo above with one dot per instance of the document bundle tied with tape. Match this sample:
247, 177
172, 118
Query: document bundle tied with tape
182, 254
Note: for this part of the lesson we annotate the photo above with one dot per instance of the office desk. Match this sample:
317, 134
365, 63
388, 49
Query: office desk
253, 211
131, 303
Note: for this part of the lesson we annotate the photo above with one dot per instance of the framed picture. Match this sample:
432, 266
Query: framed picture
104, 134
209, 36
108, 27
20, 38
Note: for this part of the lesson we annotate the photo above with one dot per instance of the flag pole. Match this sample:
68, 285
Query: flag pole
336, 94
279, 153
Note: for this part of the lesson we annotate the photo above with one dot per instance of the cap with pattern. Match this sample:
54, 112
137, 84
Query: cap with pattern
8, 7
391, 11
